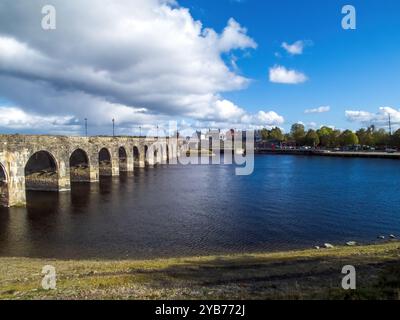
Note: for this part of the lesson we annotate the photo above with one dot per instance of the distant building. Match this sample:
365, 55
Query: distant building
232, 133
195, 140
257, 136
215, 134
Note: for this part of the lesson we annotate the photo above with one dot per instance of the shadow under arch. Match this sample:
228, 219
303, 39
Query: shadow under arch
167, 155
41, 172
123, 159
4, 201
105, 165
79, 166
146, 155
155, 155
136, 157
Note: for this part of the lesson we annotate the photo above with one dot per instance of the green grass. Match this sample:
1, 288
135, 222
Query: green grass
307, 274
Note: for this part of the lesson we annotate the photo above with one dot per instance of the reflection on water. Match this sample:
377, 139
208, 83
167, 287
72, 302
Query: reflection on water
289, 202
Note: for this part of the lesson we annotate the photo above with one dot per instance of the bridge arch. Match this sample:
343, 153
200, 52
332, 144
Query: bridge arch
79, 166
160, 150
136, 157
41, 172
146, 155
123, 159
164, 152
167, 155
155, 155
105, 162
4, 200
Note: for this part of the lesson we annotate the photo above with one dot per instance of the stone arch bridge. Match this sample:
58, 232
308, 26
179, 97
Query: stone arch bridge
51, 163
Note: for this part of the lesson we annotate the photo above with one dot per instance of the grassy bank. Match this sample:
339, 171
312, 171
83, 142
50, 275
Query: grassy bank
309, 274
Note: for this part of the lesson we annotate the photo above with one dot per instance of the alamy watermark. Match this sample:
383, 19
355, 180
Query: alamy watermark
237, 148
349, 281
49, 19
197, 148
350, 278
49, 280
349, 21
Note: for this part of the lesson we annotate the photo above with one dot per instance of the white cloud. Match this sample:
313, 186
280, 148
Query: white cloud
227, 110
16, 118
136, 61
295, 48
235, 36
262, 119
269, 118
379, 119
321, 109
279, 74
259, 120
359, 116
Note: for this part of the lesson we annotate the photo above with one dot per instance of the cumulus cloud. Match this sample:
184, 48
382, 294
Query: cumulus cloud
269, 118
259, 120
296, 48
141, 61
234, 36
321, 109
380, 118
279, 74
227, 110
262, 119
16, 118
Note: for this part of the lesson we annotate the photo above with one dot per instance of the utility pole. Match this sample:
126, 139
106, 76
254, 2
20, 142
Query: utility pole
113, 122
157, 132
140, 131
86, 132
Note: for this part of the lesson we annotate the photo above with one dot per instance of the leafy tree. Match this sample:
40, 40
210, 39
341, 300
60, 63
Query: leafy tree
298, 133
381, 137
264, 134
334, 139
325, 136
312, 138
366, 137
348, 138
396, 139
276, 134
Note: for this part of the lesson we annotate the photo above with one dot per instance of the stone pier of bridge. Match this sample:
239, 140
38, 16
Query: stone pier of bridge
51, 163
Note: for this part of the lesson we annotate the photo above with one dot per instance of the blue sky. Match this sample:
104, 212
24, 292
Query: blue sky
145, 62
347, 69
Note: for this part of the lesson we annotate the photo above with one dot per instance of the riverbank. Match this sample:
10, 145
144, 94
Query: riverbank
307, 274
341, 154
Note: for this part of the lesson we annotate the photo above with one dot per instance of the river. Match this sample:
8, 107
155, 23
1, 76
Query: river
289, 202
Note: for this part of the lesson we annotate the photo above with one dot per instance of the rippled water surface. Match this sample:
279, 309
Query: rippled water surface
289, 202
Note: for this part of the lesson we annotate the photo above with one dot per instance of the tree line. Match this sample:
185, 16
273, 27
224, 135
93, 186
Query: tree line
331, 138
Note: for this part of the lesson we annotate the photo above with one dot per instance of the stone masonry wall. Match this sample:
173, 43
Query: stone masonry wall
16, 150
